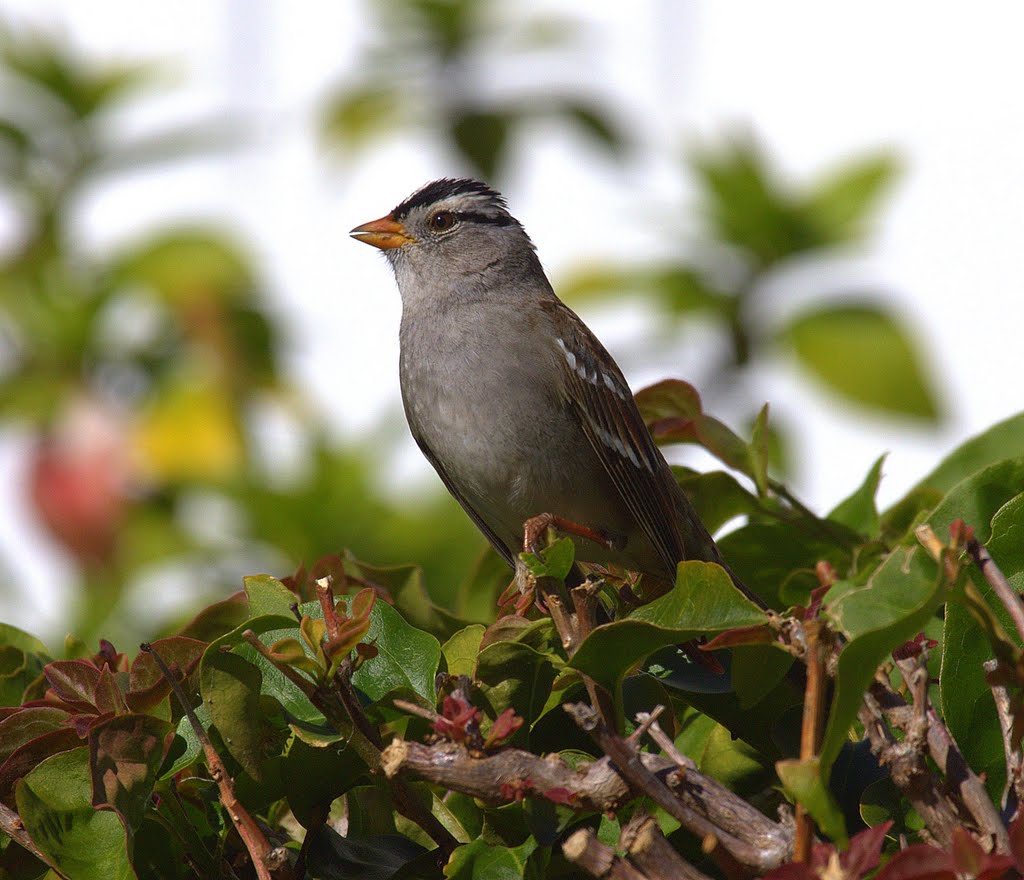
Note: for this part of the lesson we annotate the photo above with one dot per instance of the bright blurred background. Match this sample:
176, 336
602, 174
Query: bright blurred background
801, 203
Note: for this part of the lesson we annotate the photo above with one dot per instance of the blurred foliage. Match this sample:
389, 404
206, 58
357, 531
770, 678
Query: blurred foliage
146, 377
432, 66
756, 227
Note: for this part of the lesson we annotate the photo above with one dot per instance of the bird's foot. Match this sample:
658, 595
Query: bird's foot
535, 528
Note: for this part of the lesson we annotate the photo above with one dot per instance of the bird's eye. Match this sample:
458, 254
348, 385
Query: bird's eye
442, 221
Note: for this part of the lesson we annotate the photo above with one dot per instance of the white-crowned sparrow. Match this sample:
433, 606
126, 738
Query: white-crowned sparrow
512, 399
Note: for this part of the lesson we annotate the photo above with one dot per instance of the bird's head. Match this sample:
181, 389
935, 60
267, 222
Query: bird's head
450, 232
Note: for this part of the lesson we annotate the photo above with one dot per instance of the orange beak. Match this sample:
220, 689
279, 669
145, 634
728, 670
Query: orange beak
384, 233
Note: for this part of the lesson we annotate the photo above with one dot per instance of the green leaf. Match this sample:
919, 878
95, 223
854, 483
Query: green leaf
967, 706
858, 511
804, 783
231, 688
380, 857
23, 641
554, 561
125, 754
186, 749
356, 116
597, 124
55, 803
1003, 440
267, 595
407, 588
702, 602
746, 204
842, 202
758, 451
732, 762
481, 860
903, 593
181, 265
756, 670
716, 496
863, 354
315, 776
460, 651
892, 607
517, 675
481, 136
407, 658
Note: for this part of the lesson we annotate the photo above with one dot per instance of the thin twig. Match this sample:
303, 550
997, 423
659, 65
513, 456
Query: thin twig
14, 828
261, 853
810, 729
997, 580
664, 742
1013, 794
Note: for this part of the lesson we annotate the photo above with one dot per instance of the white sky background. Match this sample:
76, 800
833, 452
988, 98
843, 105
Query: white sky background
817, 82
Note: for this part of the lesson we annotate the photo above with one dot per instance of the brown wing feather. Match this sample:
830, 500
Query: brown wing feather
616, 431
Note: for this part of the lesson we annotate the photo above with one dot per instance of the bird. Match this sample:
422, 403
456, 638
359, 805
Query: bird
516, 404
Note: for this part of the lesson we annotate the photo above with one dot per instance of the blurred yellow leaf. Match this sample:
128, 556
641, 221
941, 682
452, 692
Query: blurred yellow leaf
189, 433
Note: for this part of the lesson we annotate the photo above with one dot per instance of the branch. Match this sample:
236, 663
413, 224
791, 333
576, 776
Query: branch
1013, 794
1000, 585
969, 790
811, 727
14, 828
265, 859
584, 849
761, 845
651, 853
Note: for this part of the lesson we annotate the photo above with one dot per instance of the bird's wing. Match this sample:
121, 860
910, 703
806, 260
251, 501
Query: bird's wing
604, 405
503, 550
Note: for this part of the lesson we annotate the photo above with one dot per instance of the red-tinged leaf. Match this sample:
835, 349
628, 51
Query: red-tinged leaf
560, 796
506, 724
914, 647
1017, 841
792, 871
73, 681
288, 650
26, 724
366, 651
362, 604
668, 399
459, 718
865, 850
968, 856
125, 754
27, 756
759, 634
217, 619
971, 860
83, 723
350, 633
919, 862
109, 658
515, 790
109, 698
147, 686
